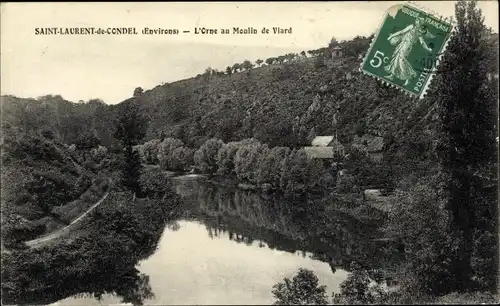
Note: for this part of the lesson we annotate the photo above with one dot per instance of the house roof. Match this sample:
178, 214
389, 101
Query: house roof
373, 143
319, 152
337, 48
321, 141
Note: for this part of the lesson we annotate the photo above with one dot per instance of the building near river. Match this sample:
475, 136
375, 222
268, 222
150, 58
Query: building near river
325, 147
374, 146
330, 151
336, 52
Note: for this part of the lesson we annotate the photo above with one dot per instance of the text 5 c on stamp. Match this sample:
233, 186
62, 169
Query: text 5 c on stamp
405, 52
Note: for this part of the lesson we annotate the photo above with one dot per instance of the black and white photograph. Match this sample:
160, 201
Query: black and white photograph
249, 153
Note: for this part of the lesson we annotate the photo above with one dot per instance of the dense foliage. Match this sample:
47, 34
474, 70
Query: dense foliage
303, 289
358, 288
249, 161
88, 263
131, 129
447, 216
445, 210
47, 183
440, 157
467, 152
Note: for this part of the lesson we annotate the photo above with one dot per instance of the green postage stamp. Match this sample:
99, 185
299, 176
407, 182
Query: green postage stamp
406, 50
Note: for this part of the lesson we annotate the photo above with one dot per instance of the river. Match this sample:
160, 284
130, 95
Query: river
231, 246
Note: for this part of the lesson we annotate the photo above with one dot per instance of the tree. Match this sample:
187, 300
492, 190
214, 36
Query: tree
467, 146
49, 134
150, 151
346, 184
303, 289
165, 151
225, 158
356, 288
138, 91
208, 71
236, 67
259, 62
270, 165
16, 229
356, 46
303, 53
290, 56
205, 157
294, 173
99, 153
419, 221
88, 140
182, 158
319, 62
96, 102
247, 65
246, 159
229, 70
333, 43
131, 128
318, 180
360, 128
270, 60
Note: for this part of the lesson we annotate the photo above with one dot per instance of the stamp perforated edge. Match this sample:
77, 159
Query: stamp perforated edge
438, 58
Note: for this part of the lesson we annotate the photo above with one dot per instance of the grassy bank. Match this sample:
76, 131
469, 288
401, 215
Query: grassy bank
99, 258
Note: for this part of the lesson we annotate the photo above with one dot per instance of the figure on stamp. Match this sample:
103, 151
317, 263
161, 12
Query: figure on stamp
404, 40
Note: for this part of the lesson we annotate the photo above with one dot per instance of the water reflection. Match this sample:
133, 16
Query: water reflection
228, 247
191, 268
100, 262
49, 275
286, 224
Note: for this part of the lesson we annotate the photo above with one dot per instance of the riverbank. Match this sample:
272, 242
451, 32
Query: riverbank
41, 241
93, 259
99, 258
353, 203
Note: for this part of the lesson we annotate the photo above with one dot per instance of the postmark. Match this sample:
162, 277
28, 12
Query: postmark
407, 49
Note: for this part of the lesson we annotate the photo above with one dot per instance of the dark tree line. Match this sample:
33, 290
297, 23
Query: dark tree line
130, 130
446, 216
468, 150
351, 48
249, 161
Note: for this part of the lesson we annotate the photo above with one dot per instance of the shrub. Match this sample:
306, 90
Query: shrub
87, 141
294, 173
225, 158
165, 151
358, 288
182, 158
149, 151
345, 184
155, 184
205, 158
16, 229
270, 165
303, 289
419, 220
48, 134
246, 159
319, 62
98, 153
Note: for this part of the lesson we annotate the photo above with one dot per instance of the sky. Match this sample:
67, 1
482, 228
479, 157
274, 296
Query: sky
110, 67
